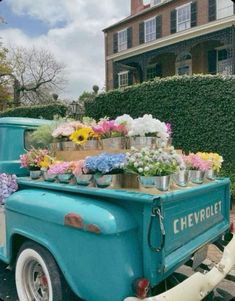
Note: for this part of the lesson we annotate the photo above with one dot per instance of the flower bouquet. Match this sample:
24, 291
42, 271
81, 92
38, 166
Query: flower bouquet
80, 173
104, 167
32, 160
62, 170
216, 163
111, 133
197, 167
8, 185
154, 167
145, 131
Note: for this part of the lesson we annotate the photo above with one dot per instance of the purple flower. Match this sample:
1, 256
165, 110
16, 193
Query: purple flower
8, 185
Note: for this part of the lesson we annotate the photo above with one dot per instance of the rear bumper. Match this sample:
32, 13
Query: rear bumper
196, 287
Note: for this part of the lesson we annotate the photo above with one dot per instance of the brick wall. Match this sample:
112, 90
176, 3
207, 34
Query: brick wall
165, 11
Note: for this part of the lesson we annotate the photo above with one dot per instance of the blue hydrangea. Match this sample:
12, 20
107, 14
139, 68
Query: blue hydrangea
105, 163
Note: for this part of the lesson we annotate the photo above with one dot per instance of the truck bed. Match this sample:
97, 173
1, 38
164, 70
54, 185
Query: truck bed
171, 225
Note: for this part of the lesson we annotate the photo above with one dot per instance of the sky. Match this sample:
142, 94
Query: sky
70, 29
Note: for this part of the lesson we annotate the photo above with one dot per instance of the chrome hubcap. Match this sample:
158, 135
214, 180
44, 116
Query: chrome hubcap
35, 282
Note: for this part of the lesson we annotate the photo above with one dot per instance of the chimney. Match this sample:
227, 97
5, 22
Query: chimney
136, 6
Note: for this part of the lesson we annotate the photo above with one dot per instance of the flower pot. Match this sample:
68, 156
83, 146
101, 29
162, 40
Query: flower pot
211, 174
103, 181
197, 176
84, 180
147, 182
48, 177
92, 144
113, 143
181, 178
162, 183
65, 178
35, 174
140, 142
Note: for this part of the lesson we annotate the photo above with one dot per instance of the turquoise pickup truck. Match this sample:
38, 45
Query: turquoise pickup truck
105, 244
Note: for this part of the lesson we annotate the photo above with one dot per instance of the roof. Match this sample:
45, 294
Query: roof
147, 9
23, 121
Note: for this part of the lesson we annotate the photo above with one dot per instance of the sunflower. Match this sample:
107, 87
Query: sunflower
81, 136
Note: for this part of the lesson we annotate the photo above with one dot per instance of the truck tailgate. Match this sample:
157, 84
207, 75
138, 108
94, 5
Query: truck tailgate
190, 219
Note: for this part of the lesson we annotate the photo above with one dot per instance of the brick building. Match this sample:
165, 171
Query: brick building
168, 37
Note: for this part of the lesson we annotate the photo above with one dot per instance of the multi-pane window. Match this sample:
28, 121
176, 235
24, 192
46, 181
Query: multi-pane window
183, 17
224, 61
156, 2
184, 64
150, 30
224, 8
122, 40
123, 79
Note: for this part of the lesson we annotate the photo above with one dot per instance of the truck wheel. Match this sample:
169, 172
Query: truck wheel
37, 275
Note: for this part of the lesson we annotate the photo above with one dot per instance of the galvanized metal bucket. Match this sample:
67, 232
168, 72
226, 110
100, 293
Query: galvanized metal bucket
103, 181
84, 180
197, 176
147, 182
65, 178
181, 178
162, 183
211, 174
140, 142
113, 143
35, 174
48, 177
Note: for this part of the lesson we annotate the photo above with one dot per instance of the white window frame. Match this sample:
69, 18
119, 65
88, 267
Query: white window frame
120, 85
153, 3
217, 58
153, 32
122, 46
217, 10
177, 16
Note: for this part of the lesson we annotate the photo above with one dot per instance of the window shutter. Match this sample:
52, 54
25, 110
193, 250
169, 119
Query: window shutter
141, 33
115, 42
159, 70
115, 80
212, 58
158, 27
194, 14
211, 10
173, 21
130, 78
129, 37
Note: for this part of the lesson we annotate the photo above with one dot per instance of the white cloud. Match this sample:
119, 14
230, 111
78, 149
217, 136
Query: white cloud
79, 43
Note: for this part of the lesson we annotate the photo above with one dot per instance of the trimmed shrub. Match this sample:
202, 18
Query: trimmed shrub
44, 111
200, 108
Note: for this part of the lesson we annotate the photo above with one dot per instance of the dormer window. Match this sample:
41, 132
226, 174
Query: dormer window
156, 2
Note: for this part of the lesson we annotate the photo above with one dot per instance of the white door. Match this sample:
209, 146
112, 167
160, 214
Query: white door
2, 227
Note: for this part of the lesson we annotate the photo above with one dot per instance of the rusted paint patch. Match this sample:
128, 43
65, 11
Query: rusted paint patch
93, 228
73, 220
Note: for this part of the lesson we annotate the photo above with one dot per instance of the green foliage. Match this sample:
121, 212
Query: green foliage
45, 112
200, 108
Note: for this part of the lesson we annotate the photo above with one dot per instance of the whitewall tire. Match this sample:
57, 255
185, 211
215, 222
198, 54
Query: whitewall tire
37, 275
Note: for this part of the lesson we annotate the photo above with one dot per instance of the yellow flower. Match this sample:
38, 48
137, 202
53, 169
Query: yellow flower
81, 136
47, 160
215, 158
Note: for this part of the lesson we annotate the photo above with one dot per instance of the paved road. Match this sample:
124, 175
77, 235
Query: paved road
225, 292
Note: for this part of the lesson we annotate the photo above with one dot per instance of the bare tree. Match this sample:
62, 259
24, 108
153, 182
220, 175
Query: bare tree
36, 75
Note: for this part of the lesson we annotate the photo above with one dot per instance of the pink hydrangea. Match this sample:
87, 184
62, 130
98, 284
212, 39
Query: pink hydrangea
59, 168
79, 168
193, 161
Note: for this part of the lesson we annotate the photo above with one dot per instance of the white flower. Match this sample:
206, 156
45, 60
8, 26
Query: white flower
146, 169
140, 170
136, 164
125, 119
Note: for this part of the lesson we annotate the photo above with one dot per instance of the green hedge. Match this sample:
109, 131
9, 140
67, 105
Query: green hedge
200, 108
45, 111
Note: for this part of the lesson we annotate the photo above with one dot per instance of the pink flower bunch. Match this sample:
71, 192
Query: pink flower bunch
60, 168
194, 162
66, 129
33, 158
168, 128
79, 168
109, 128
